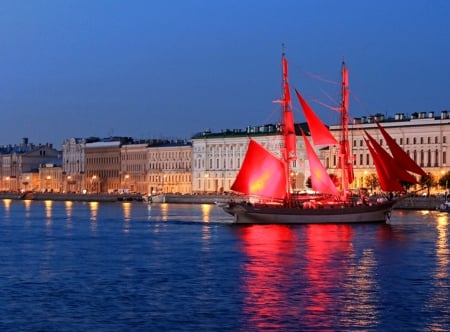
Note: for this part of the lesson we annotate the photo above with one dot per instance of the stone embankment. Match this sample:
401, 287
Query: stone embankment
410, 203
419, 203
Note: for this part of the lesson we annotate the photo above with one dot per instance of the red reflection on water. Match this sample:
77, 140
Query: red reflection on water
326, 245
291, 272
269, 250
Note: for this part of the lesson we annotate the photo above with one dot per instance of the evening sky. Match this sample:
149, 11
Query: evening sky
170, 69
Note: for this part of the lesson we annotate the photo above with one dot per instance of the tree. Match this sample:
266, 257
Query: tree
444, 181
427, 181
308, 182
372, 181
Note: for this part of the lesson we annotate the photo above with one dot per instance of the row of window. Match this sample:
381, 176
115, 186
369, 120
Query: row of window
425, 159
415, 140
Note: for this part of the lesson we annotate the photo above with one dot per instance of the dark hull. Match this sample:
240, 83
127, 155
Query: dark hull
262, 214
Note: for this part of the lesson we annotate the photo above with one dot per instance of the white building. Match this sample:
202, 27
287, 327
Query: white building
422, 135
217, 157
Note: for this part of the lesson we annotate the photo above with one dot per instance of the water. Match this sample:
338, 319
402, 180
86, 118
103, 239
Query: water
130, 266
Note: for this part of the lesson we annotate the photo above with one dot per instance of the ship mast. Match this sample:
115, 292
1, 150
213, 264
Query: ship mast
290, 138
345, 159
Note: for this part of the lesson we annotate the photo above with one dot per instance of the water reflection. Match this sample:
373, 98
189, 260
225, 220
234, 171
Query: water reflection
7, 203
442, 250
326, 247
305, 274
48, 212
68, 206
164, 211
27, 203
206, 212
93, 207
270, 258
126, 207
438, 298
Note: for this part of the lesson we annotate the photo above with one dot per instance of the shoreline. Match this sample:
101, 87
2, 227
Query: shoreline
409, 203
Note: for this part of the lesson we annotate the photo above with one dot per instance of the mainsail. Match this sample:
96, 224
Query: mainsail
262, 174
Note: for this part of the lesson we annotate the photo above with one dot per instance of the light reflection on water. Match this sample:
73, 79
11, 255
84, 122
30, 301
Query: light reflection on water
162, 265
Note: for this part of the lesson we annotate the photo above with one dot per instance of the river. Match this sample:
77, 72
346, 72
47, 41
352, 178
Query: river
72, 266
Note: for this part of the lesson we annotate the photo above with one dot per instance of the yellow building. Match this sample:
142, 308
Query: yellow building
102, 167
169, 167
50, 178
133, 172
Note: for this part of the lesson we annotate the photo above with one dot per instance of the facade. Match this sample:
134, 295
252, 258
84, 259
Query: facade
133, 158
24, 158
73, 163
423, 136
169, 167
102, 167
211, 161
217, 157
50, 178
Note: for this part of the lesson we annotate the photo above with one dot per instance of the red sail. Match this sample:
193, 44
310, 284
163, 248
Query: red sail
262, 174
401, 157
319, 132
393, 169
320, 180
386, 183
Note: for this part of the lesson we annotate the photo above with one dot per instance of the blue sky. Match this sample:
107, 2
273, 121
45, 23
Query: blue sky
153, 69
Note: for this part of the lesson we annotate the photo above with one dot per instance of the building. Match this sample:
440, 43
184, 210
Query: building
103, 165
133, 168
73, 165
50, 178
16, 160
217, 157
169, 167
423, 136
209, 162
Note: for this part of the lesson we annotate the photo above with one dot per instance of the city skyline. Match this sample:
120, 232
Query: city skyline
172, 69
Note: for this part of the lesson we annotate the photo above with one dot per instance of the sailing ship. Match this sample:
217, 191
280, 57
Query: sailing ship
264, 179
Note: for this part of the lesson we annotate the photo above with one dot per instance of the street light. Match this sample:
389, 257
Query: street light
47, 186
206, 180
126, 181
93, 182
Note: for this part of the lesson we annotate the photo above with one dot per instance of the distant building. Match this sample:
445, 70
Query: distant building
133, 168
424, 136
50, 178
217, 157
103, 165
169, 167
15, 160
73, 163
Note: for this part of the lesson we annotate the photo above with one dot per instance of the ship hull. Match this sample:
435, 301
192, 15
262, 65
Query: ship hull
260, 214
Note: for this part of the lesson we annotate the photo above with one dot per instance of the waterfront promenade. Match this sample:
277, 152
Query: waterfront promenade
410, 203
